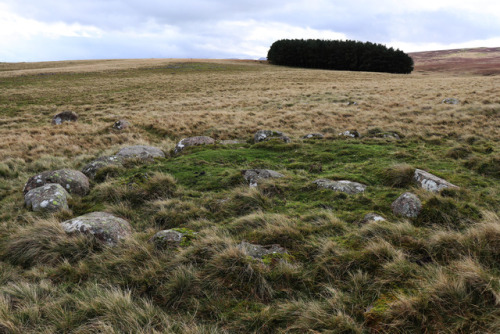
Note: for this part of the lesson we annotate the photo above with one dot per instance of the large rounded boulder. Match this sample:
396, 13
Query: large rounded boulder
141, 152
65, 116
407, 205
193, 141
105, 227
50, 197
73, 181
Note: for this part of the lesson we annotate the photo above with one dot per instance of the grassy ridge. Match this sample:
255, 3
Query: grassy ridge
439, 272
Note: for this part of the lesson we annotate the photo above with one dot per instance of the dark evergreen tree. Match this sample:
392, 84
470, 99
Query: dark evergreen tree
339, 55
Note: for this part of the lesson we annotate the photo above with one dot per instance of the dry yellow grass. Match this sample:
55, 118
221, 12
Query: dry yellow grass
167, 99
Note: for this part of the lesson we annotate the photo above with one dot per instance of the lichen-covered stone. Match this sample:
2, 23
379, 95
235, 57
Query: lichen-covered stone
91, 169
345, 186
258, 251
65, 116
263, 135
167, 239
105, 227
73, 181
451, 101
121, 124
350, 134
141, 152
50, 197
193, 141
431, 182
407, 205
372, 217
254, 175
314, 136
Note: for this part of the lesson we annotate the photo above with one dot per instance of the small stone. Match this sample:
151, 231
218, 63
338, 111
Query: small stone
91, 169
352, 103
350, 133
372, 217
431, 182
345, 186
254, 175
407, 205
264, 135
50, 197
141, 152
314, 136
75, 182
105, 227
258, 251
193, 141
65, 116
167, 239
451, 101
121, 124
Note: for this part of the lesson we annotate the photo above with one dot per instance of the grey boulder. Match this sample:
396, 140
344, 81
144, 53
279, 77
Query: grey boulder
252, 176
431, 182
264, 135
314, 136
50, 197
65, 116
407, 205
91, 169
105, 227
141, 152
73, 181
345, 186
193, 141
167, 239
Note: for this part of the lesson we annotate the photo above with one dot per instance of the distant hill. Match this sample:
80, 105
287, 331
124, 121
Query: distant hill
485, 61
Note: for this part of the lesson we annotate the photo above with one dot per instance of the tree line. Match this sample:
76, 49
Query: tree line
339, 55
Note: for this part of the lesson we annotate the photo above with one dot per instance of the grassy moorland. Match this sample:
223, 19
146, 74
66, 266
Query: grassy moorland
439, 272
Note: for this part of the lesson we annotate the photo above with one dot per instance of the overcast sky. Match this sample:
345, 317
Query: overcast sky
37, 30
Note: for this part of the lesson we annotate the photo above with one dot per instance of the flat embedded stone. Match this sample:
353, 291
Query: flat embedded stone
141, 152
254, 175
258, 251
264, 135
431, 182
345, 186
193, 141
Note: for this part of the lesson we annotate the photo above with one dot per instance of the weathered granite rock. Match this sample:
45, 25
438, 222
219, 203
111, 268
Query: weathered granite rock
451, 101
263, 135
167, 239
431, 182
92, 168
345, 186
105, 227
65, 116
407, 205
254, 175
193, 141
314, 136
121, 124
73, 181
372, 217
350, 133
258, 251
141, 152
50, 197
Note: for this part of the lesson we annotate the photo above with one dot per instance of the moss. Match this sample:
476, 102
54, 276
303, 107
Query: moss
187, 237
273, 258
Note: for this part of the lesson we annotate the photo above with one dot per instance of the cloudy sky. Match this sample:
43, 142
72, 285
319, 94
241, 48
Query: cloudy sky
37, 30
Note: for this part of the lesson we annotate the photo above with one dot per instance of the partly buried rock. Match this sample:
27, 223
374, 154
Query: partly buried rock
372, 217
193, 141
172, 238
345, 186
350, 134
258, 251
73, 181
314, 136
121, 124
65, 116
231, 142
254, 175
264, 135
50, 197
141, 152
431, 182
451, 101
92, 168
105, 227
407, 205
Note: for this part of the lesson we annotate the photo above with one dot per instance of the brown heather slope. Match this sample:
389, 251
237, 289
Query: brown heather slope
482, 61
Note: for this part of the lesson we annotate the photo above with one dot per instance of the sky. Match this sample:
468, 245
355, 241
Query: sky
44, 30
